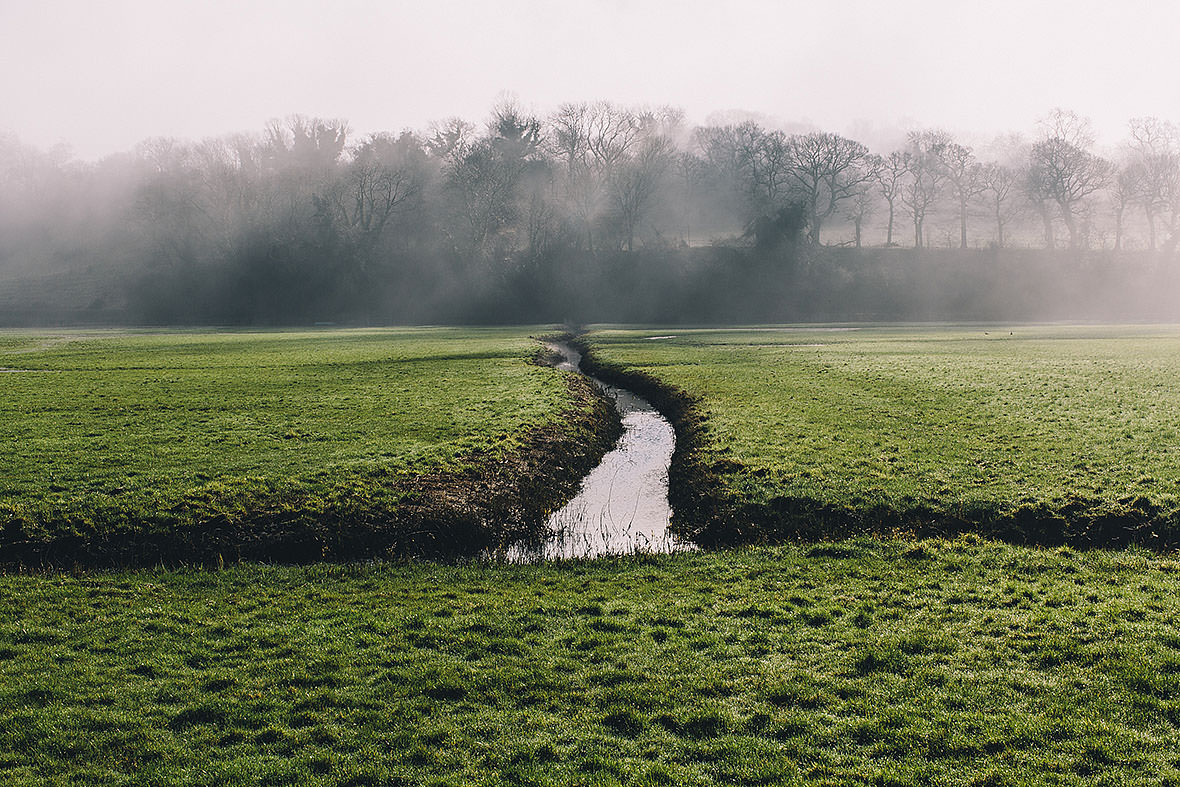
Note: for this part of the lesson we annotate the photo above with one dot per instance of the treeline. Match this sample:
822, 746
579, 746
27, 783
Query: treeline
596, 212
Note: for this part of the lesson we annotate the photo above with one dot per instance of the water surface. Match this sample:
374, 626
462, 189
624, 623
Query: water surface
622, 506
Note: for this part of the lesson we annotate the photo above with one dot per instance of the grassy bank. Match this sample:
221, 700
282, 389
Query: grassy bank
124, 446
1045, 434
856, 662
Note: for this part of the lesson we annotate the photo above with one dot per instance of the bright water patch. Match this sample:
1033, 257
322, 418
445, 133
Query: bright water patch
622, 507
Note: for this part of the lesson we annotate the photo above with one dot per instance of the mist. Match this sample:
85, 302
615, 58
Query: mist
596, 211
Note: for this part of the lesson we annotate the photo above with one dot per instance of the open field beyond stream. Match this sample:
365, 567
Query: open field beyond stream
876, 633
1045, 434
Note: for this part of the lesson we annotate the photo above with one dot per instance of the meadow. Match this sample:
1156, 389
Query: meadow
836, 658
1049, 434
960, 662
265, 444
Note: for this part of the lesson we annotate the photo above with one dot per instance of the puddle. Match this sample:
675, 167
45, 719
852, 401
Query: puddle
622, 507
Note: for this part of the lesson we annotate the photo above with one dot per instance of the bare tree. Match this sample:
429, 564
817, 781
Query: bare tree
1155, 167
999, 186
860, 207
484, 176
450, 140
769, 163
754, 162
311, 144
385, 172
589, 141
569, 145
964, 178
889, 172
720, 149
482, 189
171, 201
1125, 189
691, 175
925, 177
635, 180
1062, 171
825, 169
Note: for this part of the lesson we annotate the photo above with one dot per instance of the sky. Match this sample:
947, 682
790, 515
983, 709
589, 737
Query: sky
101, 76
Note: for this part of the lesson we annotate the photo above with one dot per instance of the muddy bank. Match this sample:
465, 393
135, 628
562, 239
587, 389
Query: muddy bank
622, 506
701, 511
493, 501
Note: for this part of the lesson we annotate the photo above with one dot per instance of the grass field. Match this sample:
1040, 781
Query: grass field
1050, 432
117, 432
857, 661
861, 662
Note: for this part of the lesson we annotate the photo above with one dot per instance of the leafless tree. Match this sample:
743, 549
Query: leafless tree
861, 206
298, 155
234, 191
925, 177
964, 179
171, 202
1000, 189
770, 163
1125, 189
889, 172
755, 162
1063, 172
589, 141
1155, 166
310, 143
691, 176
385, 173
484, 176
825, 169
636, 179
450, 140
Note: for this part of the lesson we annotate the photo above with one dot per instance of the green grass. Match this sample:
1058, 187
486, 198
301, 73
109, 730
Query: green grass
959, 662
857, 662
1057, 426
122, 431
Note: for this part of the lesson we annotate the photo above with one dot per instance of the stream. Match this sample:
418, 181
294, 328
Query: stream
622, 506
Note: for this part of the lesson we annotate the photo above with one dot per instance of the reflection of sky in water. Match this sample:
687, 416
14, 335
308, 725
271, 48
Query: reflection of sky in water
622, 506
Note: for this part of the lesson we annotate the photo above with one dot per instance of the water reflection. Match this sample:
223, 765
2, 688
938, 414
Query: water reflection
622, 507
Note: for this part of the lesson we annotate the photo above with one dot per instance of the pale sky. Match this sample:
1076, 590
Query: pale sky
102, 75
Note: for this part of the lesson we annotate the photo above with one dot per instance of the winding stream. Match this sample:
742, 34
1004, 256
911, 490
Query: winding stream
622, 507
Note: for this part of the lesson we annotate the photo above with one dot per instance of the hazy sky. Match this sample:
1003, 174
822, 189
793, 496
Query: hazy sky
102, 75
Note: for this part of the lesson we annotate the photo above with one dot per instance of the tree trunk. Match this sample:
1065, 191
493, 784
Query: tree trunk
962, 223
1071, 225
889, 231
1151, 228
1050, 239
856, 223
